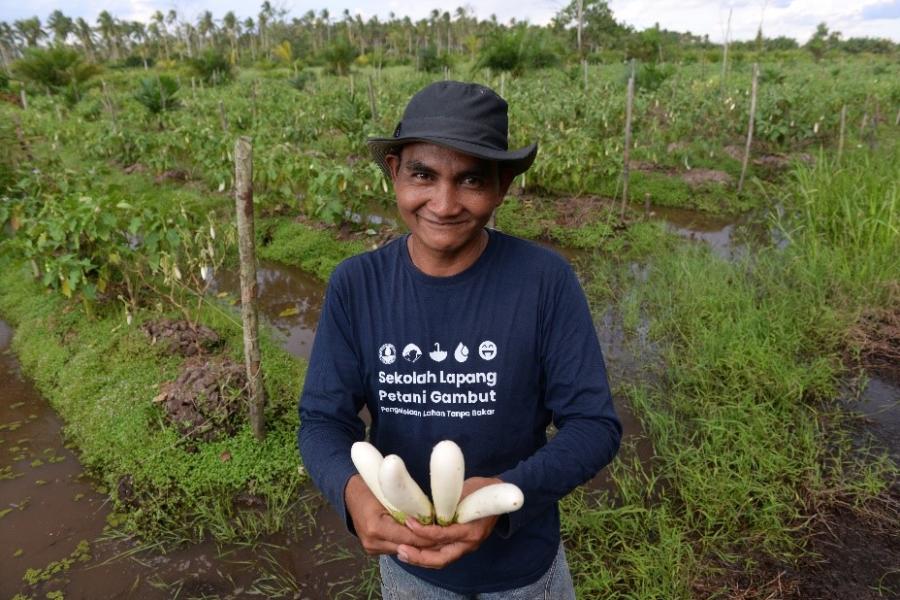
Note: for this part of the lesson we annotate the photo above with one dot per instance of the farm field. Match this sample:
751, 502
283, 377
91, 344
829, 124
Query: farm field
751, 336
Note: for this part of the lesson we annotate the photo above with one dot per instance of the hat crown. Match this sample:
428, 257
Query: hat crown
459, 111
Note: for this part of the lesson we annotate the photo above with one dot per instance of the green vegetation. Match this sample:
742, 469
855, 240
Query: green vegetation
108, 220
157, 94
750, 352
58, 69
108, 405
313, 250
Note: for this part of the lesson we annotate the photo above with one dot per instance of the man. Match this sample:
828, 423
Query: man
458, 332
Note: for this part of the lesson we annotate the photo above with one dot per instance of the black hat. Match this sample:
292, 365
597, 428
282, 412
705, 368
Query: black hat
467, 117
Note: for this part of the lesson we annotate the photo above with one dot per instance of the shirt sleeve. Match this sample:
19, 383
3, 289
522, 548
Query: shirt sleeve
333, 394
576, 391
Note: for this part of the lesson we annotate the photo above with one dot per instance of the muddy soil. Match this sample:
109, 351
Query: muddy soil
207, 399
181, 337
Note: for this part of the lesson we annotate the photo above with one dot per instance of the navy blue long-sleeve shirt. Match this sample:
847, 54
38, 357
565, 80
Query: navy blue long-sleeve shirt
488, 358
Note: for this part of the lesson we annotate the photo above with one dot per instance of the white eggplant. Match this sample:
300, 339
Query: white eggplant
494, 499
402, 491
367, 460
447, 474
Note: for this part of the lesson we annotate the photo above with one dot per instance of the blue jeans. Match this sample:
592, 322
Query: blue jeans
555, 584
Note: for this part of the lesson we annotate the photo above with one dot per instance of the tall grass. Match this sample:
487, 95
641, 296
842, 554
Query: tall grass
753, 355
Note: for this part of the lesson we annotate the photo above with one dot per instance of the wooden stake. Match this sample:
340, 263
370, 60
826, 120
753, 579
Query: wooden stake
24, 98
843, 131
626, 153
193, 88
352, 86
243, 196
502, 83
222, 117
749, 127
59, 116
372, 100
585, 69
897, 119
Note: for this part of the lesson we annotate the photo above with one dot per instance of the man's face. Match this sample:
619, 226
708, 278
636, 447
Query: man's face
445, 197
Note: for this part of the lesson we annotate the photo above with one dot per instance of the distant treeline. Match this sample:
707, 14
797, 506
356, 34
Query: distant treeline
584, 29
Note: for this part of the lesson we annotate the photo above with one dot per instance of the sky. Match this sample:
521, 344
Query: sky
793, 18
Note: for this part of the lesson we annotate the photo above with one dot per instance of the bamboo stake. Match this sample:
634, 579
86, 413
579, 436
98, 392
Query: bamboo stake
58, 110
897, 118
193, 88
502, 83
843, 131
24, 98
352, 90
585, 70
372, 104
629, 100
222, 117
749, 127
243, 196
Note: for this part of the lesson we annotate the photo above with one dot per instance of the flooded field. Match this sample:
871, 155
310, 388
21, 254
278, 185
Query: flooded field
55, 521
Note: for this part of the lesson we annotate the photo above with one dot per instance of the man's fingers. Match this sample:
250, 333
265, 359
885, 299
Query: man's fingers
436, 534
431, 559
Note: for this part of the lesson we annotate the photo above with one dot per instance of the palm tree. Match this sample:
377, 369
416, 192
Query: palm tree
161, 32
30, 30
61, 25
230, 24
85, 35
206, 27
109, 31
7, 44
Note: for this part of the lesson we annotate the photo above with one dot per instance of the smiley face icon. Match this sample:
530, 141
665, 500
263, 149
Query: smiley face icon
487, 350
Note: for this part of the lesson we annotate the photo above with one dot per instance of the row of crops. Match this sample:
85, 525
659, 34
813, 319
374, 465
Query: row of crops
309, 142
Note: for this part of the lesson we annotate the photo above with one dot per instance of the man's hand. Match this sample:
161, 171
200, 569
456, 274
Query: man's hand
377, 530
447, 544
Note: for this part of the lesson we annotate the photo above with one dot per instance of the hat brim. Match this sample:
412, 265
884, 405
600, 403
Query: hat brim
518, 161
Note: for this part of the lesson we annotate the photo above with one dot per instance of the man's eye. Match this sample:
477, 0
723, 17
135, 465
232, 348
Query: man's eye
473, 181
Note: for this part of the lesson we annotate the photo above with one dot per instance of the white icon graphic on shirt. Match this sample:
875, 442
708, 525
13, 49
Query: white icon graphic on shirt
387, 353
412, 353
437, 355
487, 350
461, 353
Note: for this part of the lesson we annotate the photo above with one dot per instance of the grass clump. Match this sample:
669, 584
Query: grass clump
313, 250
753, 354
101, 376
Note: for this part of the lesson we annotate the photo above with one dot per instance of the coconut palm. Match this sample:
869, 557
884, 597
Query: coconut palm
85, 35
161, 32
109, 31
61, 25
30, 30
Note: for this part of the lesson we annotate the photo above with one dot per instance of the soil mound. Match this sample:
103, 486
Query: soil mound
182, 337
207, 400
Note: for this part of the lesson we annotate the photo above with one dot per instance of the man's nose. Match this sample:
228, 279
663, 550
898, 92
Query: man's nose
444, 201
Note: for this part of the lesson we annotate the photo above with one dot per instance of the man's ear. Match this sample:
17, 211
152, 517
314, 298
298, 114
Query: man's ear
393, 162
